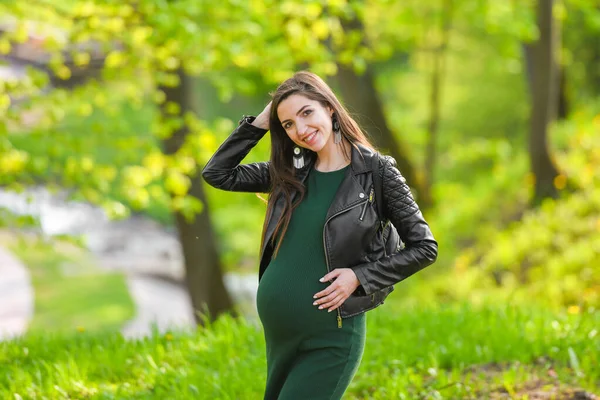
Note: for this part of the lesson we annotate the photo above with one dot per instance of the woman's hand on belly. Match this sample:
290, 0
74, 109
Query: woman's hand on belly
334, 295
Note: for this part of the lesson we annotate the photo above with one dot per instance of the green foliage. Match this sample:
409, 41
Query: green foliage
481, 171
552, 251
11, 220
103, 139
411, 353
549, 255
224, 45
580, 50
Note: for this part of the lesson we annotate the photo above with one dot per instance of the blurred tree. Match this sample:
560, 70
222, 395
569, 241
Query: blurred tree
563, 98
441, 36
541, 58
202, 264
361, 96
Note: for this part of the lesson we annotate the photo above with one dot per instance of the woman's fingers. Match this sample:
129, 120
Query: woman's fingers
325, 292
339, 303
327, 299
329, 294
337, 292
332, 302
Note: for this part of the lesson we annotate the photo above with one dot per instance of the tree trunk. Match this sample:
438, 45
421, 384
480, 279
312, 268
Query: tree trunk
204, 278
563, 101
439, 59
543, 78
360, 96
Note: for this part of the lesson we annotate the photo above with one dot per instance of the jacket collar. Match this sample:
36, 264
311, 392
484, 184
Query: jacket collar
350, 191
361, 159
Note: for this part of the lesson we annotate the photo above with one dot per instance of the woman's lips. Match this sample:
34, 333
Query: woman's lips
310, 138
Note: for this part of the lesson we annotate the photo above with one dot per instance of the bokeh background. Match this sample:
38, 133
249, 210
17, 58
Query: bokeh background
123, 275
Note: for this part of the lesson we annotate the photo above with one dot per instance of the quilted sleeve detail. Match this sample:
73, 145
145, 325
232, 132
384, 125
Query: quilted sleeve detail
420, 249
398, 199
224, 171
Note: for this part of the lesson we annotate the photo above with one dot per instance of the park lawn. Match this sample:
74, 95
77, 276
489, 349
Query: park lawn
452, 351
71, 293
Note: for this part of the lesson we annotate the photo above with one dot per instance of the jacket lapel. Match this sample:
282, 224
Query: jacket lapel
350, 192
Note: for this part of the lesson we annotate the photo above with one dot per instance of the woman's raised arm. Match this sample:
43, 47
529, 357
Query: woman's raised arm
223, 170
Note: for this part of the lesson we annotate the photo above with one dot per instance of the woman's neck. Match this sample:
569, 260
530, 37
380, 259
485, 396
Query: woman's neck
332, 158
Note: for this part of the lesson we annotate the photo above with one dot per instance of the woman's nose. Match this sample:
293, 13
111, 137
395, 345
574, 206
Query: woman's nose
301, 129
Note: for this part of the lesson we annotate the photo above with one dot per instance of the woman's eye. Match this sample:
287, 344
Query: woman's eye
286, 125
307, 112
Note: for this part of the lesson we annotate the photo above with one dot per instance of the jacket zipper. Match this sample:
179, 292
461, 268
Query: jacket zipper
339, 315
369, 201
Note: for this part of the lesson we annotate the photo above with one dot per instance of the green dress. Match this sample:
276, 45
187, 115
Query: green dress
308, 356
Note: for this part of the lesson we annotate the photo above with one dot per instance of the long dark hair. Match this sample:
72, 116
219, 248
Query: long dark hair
282, 171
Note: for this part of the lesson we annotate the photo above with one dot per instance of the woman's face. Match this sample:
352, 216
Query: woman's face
306, 122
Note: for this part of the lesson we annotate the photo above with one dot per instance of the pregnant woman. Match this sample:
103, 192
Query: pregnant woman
325, 255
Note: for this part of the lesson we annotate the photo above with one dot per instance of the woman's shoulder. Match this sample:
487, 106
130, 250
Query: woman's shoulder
385, 161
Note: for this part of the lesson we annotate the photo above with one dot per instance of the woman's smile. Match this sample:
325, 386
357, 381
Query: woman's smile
310, 139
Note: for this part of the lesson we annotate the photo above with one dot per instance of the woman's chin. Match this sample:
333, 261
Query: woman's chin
315, 149
316, 146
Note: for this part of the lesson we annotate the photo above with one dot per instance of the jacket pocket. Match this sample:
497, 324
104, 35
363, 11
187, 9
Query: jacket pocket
368, 202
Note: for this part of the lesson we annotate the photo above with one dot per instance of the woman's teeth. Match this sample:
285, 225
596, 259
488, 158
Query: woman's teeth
310, 137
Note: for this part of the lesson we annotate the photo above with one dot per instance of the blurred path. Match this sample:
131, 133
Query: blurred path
163, 304
16, 296
146, 252
158, 302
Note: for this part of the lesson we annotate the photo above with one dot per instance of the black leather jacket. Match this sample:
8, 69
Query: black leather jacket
352, 233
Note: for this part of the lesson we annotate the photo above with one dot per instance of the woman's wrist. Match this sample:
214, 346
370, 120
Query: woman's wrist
261, 122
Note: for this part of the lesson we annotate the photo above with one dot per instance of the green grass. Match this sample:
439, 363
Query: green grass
70, 293
447, 352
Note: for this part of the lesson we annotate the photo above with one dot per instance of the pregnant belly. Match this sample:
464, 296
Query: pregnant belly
284, 300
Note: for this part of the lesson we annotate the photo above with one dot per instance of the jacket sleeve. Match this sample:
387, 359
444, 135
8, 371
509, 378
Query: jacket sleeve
223, 170
420, 246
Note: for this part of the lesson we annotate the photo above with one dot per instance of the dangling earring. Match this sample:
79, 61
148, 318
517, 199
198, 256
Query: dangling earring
337, 134
298, 158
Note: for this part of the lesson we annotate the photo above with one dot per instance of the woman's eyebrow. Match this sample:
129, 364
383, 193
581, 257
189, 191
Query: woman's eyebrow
299, 111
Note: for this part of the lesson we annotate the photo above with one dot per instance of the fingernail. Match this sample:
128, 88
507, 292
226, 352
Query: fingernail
321, 280
328, 310
315, 303
315, 296
320, 307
